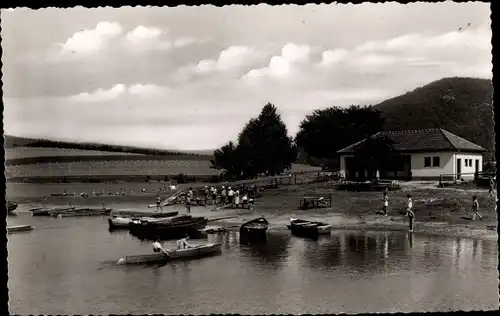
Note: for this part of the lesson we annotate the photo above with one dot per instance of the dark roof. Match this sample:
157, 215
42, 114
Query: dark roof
415, 140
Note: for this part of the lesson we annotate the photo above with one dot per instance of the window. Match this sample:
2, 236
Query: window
466, 162
435, 161
470, 162
427, 161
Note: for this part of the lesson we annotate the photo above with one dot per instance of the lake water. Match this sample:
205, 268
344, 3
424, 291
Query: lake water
67, 266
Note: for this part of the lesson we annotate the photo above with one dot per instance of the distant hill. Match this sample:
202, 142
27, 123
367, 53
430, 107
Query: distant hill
463, 106
14, 142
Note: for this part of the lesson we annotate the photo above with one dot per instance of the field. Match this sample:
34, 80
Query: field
29, 152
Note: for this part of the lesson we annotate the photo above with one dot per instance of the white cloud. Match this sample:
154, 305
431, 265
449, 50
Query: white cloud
89, 41
118, 90
230, 58
143, 33
330, 57
283, 65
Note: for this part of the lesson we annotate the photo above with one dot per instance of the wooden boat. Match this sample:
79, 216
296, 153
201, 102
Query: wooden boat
62, 194
255, 226
81, 212
303, 227
139, 214
11, 206
195, 252
116, 221
19, 228
169, 227
47, 211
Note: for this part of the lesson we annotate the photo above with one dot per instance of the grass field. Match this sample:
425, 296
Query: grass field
29, 152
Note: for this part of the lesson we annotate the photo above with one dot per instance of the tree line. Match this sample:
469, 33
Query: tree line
264, 147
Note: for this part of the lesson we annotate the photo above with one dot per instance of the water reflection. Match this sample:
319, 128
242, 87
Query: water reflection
275, 250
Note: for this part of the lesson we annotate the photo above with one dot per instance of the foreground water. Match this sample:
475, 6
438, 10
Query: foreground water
67, 266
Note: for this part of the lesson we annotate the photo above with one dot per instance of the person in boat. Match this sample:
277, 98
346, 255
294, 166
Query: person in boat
158, 248
183, 244
158, 203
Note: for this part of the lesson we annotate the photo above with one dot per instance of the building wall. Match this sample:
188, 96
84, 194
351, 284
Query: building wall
470, 169
419, 171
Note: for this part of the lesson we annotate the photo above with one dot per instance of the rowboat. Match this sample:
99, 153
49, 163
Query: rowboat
189, 253
81, 212
46, 212
303, 227
176, 226
19, 228
62, 194
255, 226
11, 206
138, 214
116, 221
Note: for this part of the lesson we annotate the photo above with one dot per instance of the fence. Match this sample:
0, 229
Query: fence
478, 177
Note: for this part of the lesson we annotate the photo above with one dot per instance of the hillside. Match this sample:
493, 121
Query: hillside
60, 148
462, 106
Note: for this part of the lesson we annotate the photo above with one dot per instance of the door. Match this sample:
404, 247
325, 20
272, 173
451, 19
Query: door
459, 168
476, 170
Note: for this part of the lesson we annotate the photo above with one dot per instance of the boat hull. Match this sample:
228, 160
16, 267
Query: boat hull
190, 253
307, 228
11, 206
19, 228
138, 214
124, 221
167, 230
80, 212
46, 212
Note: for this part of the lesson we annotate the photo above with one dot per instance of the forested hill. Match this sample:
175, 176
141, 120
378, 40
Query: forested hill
463, 106
14, 141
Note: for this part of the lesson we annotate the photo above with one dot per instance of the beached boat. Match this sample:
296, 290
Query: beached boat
256, 226
19, 228
303, 227
47, 211
172, 227
81, 212
158, 257
62, 194
116, 221
138, 214
11, 206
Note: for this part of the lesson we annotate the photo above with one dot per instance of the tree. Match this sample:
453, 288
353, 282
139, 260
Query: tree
263, 147
324, 132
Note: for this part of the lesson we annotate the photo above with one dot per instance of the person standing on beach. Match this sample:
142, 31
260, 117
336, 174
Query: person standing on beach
189, 196
409, 212
237, 198
158, 203
475, 208
386, 203
206, 193
223, 194
214, 195
491, 185
230, 196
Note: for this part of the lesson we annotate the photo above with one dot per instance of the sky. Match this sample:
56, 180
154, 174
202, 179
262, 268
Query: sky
189, 78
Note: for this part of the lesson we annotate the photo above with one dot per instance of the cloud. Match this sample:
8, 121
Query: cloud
93, 40
143, 33
184, 41
230, 58
283, 65
103, 95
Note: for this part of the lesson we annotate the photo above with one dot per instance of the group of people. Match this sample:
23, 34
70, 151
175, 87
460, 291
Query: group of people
411, 214
233, 198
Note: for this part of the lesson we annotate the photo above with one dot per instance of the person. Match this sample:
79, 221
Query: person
475, 208
158, 248
182, 243
244, 200
223, 196
206, 192
386, 203
409, 212
189, 196
491, 185
237, 199
158, 203
214, 195
230, 196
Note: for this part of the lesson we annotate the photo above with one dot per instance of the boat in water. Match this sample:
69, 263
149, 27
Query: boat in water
306, 228
159, 257
62, 194
171, 227
139, 214
255, 227
84, 211
120, 221
11, 206
19, 228
47, 211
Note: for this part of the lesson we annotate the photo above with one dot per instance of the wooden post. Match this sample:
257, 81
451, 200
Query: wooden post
440, 181
295, 180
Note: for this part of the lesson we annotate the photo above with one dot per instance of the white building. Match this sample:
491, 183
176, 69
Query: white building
422, 154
